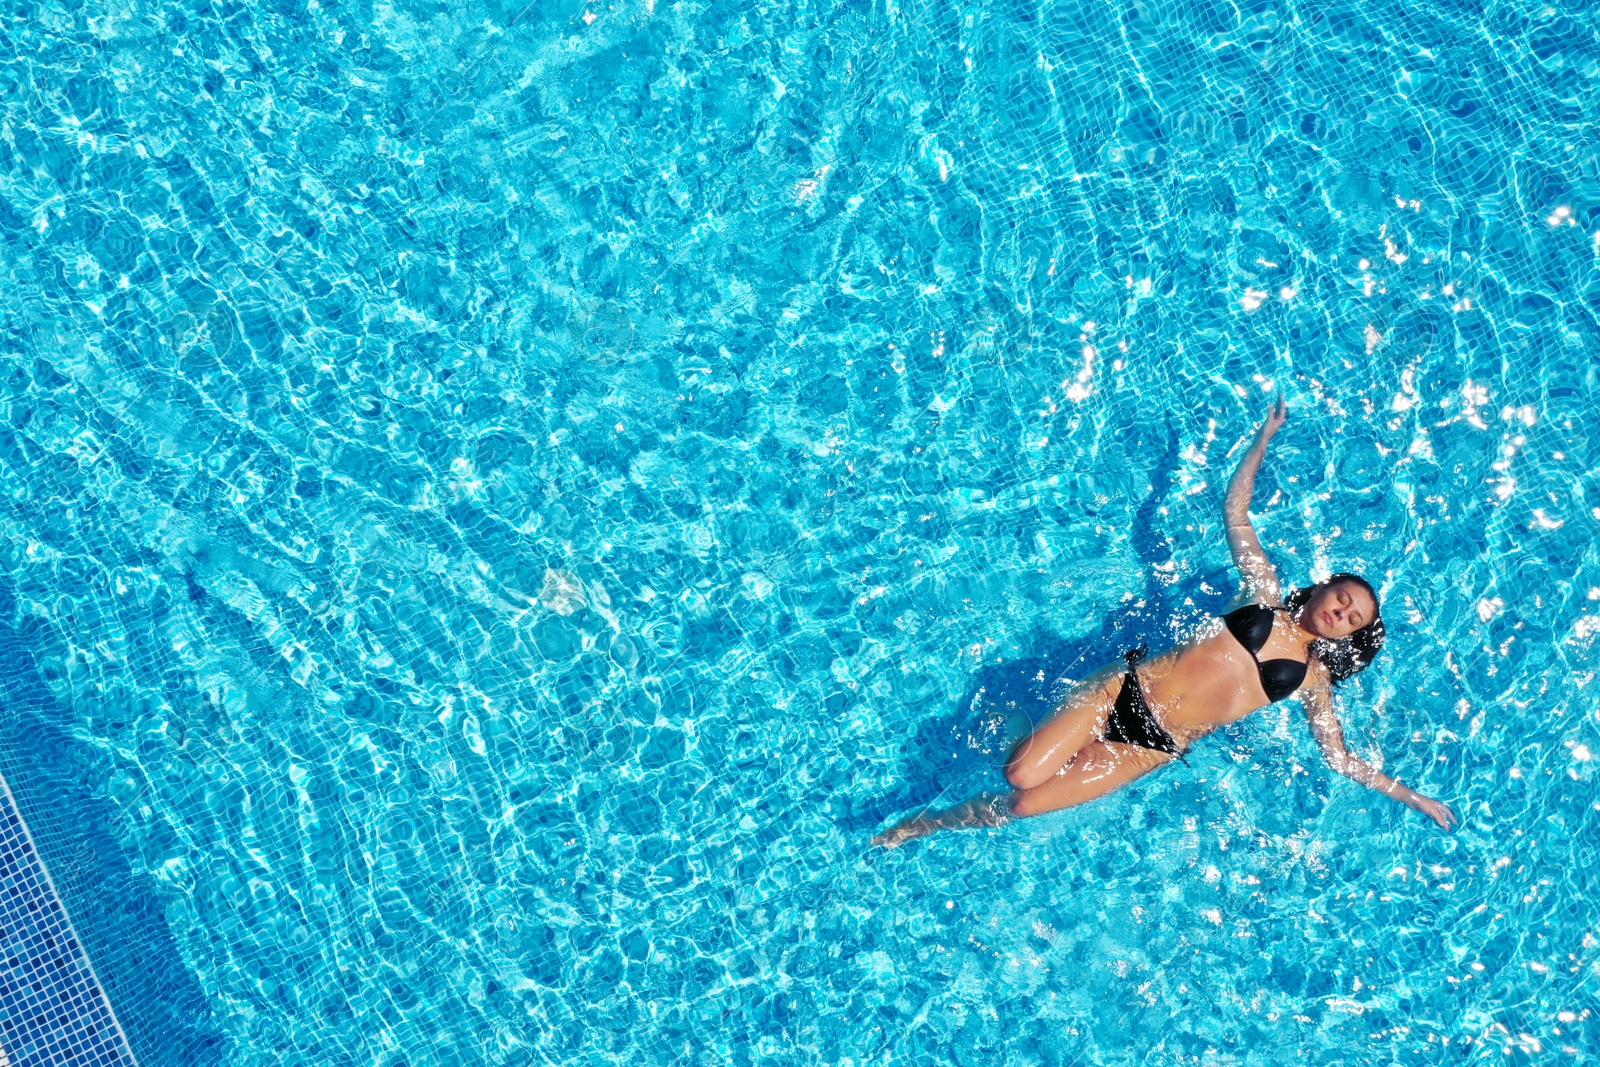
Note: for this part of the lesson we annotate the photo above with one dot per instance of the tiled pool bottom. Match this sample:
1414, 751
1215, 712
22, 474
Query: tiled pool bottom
53, 1012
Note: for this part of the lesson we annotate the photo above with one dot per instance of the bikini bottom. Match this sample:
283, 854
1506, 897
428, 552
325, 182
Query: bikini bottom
1131, 721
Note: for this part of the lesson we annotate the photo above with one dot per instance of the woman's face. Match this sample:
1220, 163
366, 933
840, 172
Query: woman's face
1338, 610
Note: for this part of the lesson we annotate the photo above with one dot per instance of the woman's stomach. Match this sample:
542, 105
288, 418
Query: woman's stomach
1201, 686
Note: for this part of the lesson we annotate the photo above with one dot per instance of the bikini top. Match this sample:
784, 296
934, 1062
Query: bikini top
1252, 625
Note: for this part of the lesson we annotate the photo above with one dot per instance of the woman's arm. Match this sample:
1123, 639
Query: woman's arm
1318, 701
1260, 579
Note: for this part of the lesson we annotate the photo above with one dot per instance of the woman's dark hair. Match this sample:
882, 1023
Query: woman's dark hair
1349, 655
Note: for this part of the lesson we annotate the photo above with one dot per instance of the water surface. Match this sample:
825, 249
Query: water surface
517, 494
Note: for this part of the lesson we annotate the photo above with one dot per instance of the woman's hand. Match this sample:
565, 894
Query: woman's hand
1435, 811
1277, 414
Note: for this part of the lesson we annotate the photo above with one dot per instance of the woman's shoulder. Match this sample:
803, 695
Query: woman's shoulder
1318, 676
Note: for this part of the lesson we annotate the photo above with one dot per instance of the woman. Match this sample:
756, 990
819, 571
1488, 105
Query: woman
1123, 723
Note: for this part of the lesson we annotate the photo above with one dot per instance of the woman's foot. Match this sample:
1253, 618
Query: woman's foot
905, 830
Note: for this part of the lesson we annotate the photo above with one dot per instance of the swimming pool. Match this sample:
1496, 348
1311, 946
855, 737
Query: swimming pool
514, 495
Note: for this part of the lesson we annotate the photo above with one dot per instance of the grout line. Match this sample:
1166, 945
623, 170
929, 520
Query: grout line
83, 949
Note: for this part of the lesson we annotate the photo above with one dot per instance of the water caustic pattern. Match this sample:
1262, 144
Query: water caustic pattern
519, 493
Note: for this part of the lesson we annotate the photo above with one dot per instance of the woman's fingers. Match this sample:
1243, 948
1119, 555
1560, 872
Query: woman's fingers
1438, 813
1276, 414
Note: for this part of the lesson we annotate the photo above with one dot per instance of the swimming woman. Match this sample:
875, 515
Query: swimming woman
1125, 721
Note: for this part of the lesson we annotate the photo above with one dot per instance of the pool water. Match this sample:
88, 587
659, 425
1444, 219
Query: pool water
517, 494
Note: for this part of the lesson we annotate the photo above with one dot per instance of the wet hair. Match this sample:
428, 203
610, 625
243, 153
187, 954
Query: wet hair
1353, 653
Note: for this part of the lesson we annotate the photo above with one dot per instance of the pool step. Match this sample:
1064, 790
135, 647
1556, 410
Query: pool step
53, 1012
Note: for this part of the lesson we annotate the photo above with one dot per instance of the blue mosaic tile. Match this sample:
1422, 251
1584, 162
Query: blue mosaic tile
53, 1012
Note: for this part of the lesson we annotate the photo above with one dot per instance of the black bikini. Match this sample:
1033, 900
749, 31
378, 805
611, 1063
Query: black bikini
1131, 721
1252, 625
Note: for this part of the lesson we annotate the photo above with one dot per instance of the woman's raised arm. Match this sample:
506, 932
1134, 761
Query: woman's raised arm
1318, 702
1260, 583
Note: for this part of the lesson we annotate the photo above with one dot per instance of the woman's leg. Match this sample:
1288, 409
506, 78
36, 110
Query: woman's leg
1076, 721
1099, 768
985, 809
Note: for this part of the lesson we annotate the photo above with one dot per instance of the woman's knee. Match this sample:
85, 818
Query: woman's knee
1021, 805
1022, 774
1023, 780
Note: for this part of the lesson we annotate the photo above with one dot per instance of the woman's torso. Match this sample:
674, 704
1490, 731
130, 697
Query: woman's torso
1213, 680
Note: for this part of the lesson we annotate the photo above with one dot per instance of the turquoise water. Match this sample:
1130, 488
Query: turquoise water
518, 494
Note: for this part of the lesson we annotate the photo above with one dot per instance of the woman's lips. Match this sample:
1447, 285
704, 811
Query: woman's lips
1327, 621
